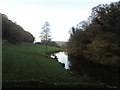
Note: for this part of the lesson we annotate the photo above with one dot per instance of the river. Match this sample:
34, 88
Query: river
62, 57
93, 71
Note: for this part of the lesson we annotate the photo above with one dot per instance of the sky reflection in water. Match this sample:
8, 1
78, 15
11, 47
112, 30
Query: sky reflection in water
63, 58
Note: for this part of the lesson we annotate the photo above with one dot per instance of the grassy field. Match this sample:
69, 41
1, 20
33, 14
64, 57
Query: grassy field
26, 65
28, 62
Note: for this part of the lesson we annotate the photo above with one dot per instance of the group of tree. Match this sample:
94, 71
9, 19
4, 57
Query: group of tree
97, 39
50, 43
13, 32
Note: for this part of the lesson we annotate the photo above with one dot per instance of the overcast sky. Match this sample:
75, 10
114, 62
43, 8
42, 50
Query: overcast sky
61, 14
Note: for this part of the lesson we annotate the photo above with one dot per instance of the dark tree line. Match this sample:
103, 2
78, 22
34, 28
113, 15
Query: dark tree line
97, 39
14, 33
50, 43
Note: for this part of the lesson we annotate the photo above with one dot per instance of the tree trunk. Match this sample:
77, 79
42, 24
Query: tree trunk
46, 43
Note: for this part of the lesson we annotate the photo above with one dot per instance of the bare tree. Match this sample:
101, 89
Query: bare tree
46, 34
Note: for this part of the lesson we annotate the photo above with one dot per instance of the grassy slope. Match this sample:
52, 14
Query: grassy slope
28, 62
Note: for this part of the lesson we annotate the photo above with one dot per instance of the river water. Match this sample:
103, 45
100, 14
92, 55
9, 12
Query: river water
62, 57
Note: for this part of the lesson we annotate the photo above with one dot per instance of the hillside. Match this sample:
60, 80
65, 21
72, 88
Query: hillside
27, 64
98, 41
13, 32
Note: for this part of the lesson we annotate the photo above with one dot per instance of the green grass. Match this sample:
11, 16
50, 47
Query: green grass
28, 63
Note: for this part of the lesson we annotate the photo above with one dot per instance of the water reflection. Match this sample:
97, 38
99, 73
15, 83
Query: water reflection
63, 58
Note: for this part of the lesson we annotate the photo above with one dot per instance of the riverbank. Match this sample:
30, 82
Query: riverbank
95, 71
26, 65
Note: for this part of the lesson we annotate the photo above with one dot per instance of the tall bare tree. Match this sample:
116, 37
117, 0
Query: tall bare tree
46, 34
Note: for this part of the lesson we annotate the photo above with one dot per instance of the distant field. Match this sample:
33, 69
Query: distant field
60, 42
